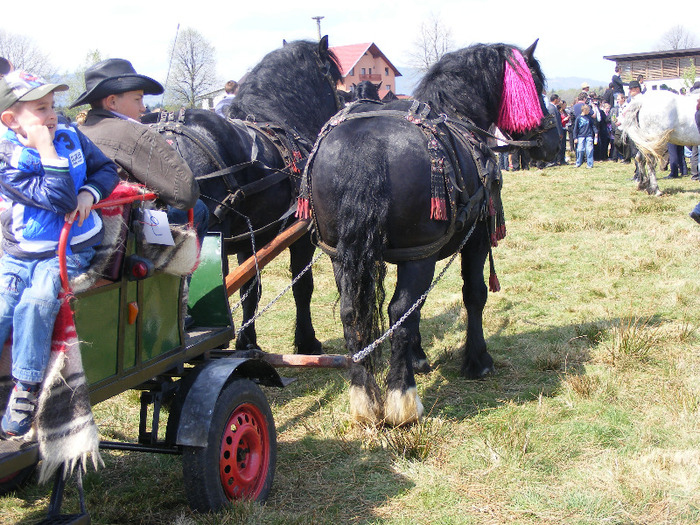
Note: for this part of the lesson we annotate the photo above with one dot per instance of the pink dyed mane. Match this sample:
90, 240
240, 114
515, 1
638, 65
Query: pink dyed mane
520, 104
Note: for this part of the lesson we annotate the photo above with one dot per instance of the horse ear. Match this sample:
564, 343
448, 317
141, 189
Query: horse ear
380, 84
284, 42
323, 46
529, 53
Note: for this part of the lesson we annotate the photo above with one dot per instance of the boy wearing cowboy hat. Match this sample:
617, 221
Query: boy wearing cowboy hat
115, 93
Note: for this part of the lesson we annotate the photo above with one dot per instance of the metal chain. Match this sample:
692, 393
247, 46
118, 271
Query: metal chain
279, 295
359, 356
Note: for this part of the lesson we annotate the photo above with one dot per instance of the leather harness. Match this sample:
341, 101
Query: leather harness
444, 135
291, 146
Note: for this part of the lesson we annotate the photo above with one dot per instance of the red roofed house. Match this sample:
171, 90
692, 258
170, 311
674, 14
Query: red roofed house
360, 62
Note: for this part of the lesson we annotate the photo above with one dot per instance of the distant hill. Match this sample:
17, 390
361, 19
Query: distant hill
560, 83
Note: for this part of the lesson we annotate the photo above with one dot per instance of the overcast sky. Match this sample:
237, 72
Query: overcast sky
574, 36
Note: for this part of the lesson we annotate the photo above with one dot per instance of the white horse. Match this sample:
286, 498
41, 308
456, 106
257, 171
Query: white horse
651, 121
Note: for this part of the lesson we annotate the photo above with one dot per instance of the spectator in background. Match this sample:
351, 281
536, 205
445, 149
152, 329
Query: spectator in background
616, 143
617, 84
609, 95
695, 214
221, 108
585, 137
585, 88
566, 127
552, 110
642, 85
676, 160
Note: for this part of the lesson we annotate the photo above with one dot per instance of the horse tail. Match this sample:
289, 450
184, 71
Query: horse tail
651, 146
362, 237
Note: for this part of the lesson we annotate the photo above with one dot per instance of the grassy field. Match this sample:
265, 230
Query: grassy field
592, 415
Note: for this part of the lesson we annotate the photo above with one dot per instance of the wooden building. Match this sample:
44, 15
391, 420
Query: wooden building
360, 62
658, 67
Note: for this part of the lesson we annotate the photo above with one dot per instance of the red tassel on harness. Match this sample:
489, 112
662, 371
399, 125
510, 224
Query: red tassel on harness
494, 285
303, 209
438, 209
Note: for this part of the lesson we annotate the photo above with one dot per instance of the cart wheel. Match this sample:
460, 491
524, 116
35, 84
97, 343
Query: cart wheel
16, 479
238, 462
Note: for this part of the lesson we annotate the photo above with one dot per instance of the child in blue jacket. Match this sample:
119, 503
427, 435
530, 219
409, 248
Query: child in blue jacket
51, 173
585, 134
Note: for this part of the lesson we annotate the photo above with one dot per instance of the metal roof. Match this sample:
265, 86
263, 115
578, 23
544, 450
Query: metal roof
671, 53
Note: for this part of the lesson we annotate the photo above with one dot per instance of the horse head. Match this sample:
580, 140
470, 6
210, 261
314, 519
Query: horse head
540, 127
366, 90
293, 86
505, 87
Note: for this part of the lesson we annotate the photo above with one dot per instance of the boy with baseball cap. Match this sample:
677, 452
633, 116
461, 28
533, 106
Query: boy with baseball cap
51, 173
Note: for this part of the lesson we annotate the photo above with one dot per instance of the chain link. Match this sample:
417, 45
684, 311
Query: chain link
359, 356
279, 295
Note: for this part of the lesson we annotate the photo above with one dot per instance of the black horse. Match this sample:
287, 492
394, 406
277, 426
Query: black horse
408, 183
249, 165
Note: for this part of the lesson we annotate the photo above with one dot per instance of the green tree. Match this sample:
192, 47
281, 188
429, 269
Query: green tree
690, 74
193, 70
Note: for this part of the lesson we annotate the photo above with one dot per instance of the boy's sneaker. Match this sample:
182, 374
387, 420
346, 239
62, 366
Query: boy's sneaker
19, 414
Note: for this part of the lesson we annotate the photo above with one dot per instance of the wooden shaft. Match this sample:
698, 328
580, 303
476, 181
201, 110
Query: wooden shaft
245, 272
307, 361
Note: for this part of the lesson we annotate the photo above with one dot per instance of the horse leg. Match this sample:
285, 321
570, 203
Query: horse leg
653, 187
247, 339
300, 255
477, 361
366, 403
402, 404
641, 169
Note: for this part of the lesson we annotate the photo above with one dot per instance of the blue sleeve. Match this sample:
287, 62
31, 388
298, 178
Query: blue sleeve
25, 179
102, 175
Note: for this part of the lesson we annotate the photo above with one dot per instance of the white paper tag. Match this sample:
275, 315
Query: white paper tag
156, 228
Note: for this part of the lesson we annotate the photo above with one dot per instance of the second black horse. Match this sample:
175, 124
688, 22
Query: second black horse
408, 183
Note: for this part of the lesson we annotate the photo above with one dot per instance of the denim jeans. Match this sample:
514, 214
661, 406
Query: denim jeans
29, 304
584, 146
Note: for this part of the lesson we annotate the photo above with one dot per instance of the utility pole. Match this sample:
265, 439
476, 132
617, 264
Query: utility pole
318, 23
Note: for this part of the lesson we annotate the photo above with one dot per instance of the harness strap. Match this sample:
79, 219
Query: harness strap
464, 211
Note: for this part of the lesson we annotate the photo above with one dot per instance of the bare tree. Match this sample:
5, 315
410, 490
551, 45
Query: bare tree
678, 37
193, 69
24, 54
434, 40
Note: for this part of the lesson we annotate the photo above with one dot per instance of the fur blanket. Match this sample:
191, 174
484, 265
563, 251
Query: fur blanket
64, 424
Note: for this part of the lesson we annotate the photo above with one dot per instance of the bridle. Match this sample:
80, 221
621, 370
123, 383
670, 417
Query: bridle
531, 139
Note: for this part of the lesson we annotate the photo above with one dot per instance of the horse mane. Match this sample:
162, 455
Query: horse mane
469, 82
281, 86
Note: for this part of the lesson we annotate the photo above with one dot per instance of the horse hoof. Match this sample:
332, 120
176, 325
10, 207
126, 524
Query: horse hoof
363, 408
402, 408
421, 366
314, 349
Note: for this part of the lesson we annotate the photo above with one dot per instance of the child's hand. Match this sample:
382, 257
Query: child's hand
40, 138
85, 202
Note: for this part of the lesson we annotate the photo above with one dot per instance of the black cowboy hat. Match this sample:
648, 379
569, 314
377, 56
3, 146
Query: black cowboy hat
114, 76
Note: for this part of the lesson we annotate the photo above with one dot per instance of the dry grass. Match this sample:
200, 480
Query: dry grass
591, 417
